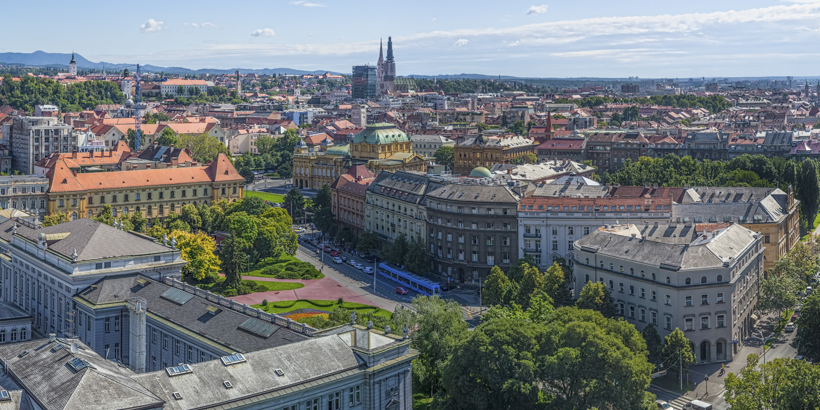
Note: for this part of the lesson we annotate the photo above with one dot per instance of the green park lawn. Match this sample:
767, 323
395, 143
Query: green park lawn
325, 305
251, 286
267, 196
286, 267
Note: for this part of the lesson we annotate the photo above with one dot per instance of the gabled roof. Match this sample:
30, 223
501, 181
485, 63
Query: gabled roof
91, 239
102, 385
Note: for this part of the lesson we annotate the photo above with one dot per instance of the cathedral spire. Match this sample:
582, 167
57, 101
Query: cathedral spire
389, 49
381, 49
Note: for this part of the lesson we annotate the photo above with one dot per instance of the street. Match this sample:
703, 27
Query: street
385, 289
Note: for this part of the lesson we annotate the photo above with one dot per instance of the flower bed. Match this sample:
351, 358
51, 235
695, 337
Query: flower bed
305, 313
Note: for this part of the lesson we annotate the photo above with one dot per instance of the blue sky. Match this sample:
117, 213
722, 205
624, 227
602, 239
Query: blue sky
513, 37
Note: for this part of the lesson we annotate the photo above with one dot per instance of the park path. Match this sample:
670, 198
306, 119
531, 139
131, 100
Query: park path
326, 288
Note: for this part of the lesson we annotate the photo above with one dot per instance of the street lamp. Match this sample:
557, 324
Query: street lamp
764, 339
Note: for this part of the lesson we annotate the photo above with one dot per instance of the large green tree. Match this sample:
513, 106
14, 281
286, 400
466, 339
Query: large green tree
234, 259
439, 330
781, 383
167, 137
445, 156
809, 190
295, 203
416, 258
779, 293
496, 290
677, 353
596, 296
808, 337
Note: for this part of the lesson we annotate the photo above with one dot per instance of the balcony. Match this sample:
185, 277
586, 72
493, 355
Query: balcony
532, 250
532, 235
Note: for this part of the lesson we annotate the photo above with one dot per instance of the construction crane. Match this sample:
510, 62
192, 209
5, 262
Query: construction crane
137, 118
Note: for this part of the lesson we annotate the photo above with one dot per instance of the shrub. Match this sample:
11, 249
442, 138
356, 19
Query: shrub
229, 292
340, 301
285, 304
265, 302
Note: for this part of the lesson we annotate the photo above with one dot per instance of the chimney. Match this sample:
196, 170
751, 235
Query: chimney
74, 153
509, 171
110, 153
52, 337
147, 166
75, 173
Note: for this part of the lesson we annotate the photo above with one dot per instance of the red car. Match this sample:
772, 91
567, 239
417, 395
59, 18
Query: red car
327, 249
401, 291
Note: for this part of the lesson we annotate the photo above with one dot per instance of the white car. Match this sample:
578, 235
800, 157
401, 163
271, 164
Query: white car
337, 260
358, 266
299, 230
368, 270
789, 327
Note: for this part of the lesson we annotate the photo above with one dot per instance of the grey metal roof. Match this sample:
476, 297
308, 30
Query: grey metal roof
9, 311
44, 372
92, 240
177, 296
299, 363
405, 186
475, 193
222, 328
663, 247
761, 205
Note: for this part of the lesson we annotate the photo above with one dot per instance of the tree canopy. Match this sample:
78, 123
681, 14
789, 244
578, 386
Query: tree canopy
30, 91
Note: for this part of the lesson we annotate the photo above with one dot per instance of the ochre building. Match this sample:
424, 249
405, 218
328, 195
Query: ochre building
484, 151
153, 192
379, 147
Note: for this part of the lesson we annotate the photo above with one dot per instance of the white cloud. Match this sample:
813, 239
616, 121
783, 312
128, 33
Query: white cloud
461, 42
306, 4
194, 25
537, 9
265, 32
209, 25
434, 19
152, 25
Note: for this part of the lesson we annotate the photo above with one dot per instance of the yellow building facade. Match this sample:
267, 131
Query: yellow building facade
153, 192
379, 147
483, 151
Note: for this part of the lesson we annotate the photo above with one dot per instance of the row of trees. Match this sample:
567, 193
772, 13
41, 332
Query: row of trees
258, 231
30, 91
742, 171
274, 153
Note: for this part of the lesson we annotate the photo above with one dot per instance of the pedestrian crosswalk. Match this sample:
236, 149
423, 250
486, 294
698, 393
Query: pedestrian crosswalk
674, 399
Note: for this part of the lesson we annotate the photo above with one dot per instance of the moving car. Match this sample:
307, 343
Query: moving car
368, 270
789, 327
358, 266
299, 230
401, 291
662, 404
337, 260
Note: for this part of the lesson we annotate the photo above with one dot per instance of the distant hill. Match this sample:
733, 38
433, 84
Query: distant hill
43, 59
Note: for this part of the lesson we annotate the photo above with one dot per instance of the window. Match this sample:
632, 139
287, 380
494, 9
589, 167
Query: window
642, 316
621, 287
312, 404
703, 279
719, 297
74, 202
721, 320
116, 323
165, 342
668, 323
632, 312
620, 308
569, 245
653, 318
689, 324
720, 278
631, 290
555, 245
570, 230
704, 299
586, 230
689, 301
668, 300
688, 281
654, 295
334, 401
475, 256
149, 196
125, 198
177, 347
611, 284
107, 325
354, 396
704, 322
643, 293
60, 203
190, 354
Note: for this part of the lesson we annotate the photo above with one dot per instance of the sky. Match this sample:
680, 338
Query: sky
581, 38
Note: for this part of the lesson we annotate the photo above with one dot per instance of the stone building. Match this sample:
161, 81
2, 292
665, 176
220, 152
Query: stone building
24, 193
471, 226
484, 151
348, 195
379, 147
700, 278
396, 205
33, 138
153, 192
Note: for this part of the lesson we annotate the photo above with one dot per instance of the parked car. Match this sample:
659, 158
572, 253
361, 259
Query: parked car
789, 327
359, 266
327, 249
299, 230
697, 405
662, 404
401, 291
337, 260
368, 270
344, 259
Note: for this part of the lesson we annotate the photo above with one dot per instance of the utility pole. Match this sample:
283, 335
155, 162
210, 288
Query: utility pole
479, 294
680, 368
375, 271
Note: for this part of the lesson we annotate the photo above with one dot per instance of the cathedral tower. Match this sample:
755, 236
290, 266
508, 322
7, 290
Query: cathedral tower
386, 70
72, 66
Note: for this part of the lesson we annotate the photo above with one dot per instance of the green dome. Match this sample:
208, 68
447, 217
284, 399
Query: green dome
481, 172
341, 150
382, 133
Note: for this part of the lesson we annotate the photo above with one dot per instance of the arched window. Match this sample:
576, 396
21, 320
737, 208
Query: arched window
138, 209
3, 336
688, 281
720, 278
622, 268
13, 335
631, 271
23, 334
668, 281
173, 207
73, 216
587, 261
90, 214
611, 267
602, 264
150, 210
703, 279
125, 211
653, 276
643, 275
162, 210
114, 212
